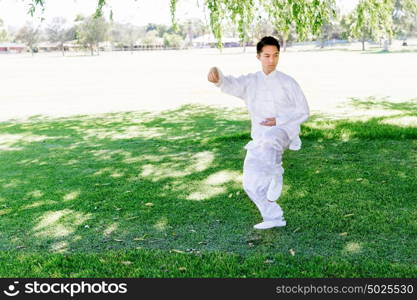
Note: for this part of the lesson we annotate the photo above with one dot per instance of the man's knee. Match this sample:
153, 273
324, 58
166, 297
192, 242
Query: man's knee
277, 138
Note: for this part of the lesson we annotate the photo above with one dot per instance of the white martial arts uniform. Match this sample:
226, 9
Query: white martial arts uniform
266, 96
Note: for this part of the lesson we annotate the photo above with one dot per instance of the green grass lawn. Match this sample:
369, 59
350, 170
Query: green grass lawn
145, 194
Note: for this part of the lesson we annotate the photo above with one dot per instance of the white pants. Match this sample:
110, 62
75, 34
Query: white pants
263, 171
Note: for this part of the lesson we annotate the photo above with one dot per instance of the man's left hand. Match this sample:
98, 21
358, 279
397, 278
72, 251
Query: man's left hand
269, 122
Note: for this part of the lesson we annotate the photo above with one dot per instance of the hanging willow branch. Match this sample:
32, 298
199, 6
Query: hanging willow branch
216, 17
242, 14
34, 4
99, 9
373, 18
307, 16
173, 9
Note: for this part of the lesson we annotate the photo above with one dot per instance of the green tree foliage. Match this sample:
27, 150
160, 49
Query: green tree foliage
126, 34
405, 18
281, 15
29, 35
217, 13
330, 30
173, 8
381, 19
162, 29
372, 19
192, 28
91, 31
306, 15
151, 38
242, 14
34, 4
345, 26
3, 32
260, 29
173, 40
58, 32
334, 28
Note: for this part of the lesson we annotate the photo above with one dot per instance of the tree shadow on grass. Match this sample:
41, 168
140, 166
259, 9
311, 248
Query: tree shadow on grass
369, 103
172, 181
390, 51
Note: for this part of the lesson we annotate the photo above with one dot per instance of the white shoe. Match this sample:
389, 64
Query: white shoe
271, 224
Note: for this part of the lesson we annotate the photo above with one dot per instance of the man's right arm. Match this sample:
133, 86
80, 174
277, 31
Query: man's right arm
235, 86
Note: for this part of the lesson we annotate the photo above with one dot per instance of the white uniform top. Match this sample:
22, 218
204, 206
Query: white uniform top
266, 96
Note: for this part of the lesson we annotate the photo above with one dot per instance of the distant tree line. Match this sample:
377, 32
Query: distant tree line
290, 21
89, 31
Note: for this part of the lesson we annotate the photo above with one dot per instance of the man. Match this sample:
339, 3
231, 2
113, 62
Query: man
277, 108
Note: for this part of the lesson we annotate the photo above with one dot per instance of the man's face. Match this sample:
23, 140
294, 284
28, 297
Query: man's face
269, 57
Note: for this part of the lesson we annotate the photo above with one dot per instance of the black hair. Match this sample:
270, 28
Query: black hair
266, 40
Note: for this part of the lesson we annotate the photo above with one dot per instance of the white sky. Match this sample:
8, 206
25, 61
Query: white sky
140, 12
346, 5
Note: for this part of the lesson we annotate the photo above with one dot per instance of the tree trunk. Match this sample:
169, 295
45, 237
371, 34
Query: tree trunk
244, 39
363, 40
283, 40
91, 49
386, 45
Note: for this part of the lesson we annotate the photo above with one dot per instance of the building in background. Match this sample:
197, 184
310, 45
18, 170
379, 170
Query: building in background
209, 41
12, 48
